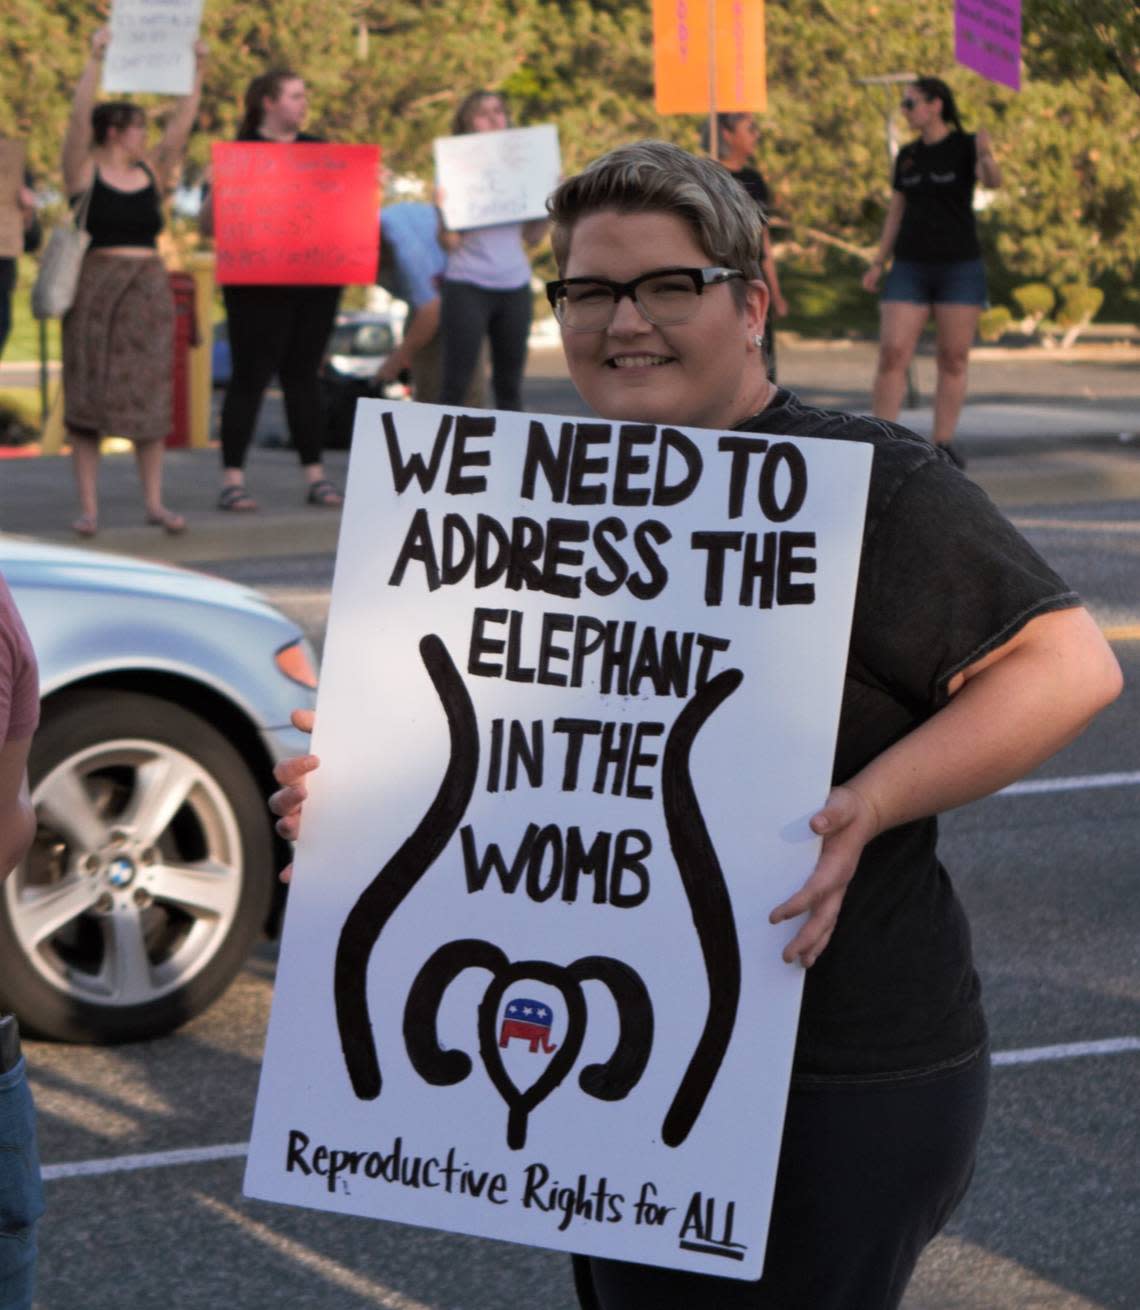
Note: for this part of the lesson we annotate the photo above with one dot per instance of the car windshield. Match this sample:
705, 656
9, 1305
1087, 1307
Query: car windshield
361, 339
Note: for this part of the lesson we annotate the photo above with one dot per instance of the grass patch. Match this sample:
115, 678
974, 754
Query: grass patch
24, 343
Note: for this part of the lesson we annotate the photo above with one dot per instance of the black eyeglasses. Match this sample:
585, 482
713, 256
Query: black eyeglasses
662, 297
908, 102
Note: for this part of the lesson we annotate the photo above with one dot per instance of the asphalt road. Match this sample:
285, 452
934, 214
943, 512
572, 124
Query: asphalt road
1048, 878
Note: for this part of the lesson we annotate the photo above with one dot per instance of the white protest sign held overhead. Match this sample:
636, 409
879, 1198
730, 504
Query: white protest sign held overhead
152, 46
497, 177
579, 701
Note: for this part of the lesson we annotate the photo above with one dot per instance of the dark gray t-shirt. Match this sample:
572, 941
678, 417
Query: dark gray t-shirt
944, 579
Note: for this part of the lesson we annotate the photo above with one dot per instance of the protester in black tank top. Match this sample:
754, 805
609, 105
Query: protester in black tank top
937, 265
118, 337
738, 135
275, 329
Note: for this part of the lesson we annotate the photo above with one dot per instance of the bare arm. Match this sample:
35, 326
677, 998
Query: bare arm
167, 158
448, 239
886, 241
768, 266
989, 171
1008, 713
77, 139
425, 324
17, 817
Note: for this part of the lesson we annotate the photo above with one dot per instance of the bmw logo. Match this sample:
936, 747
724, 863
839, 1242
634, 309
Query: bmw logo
120, 872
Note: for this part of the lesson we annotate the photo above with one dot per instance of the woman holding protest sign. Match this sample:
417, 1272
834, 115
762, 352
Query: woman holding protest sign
486, 285
937, 261
970, 662
118, 337
275, 329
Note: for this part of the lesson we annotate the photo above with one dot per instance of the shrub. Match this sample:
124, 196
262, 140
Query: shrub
994, 322
1035, 300
1079, 306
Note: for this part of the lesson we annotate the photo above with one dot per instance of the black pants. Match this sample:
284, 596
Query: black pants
7, 283
282, 330
868, 1174
468, 314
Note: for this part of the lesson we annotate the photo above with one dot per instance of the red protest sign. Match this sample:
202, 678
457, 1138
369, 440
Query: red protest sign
300, 214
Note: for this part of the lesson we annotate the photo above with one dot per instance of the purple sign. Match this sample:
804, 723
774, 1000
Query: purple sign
987, 38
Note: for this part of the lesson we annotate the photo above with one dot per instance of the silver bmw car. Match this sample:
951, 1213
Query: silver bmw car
166, 698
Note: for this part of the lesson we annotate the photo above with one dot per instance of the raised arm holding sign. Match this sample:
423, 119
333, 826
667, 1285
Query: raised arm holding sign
585, 682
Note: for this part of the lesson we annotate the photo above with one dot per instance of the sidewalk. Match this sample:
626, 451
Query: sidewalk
1018, 399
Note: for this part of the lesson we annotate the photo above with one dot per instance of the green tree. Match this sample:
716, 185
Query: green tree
1063, 39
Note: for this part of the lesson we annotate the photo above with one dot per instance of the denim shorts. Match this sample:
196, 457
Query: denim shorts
919, 282
21, 1190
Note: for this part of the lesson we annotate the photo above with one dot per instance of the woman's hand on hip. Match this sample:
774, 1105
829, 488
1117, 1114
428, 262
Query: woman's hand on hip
846, 823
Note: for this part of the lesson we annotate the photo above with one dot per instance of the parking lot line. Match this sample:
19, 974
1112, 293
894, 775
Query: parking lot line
1083, 782
237, 1150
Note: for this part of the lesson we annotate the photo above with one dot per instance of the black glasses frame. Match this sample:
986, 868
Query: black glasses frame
700, 277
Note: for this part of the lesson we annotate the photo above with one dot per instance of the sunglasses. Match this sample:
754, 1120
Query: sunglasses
908, 103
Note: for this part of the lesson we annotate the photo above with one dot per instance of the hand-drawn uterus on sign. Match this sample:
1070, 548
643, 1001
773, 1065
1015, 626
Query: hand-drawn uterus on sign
499, 1021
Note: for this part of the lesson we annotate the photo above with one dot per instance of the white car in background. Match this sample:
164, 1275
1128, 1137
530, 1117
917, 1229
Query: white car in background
166, 698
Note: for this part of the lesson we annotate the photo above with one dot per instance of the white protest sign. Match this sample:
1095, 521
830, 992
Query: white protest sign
497, 177
152, 46
580, 694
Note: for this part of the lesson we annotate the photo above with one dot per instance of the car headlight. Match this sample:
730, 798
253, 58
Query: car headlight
294, 662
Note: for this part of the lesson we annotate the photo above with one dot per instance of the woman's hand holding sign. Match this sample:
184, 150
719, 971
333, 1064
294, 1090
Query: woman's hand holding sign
286, 803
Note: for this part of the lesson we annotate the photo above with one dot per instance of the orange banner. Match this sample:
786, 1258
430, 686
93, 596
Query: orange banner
681, 56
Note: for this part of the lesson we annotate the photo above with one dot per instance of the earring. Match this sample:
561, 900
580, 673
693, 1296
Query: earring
758, 340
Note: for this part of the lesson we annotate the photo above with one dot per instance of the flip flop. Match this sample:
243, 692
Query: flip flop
170, 522
325, 494
86, 525
237, 500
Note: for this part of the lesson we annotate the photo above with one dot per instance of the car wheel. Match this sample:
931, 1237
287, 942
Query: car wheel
149, 877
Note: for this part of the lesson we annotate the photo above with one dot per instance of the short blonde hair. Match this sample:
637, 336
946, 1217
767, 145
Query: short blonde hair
656, 177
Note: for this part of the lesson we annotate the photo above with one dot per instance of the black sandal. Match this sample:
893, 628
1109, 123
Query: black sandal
236, 499
325, 494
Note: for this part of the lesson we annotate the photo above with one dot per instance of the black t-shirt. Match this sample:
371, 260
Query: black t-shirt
938, 183
944, 579
753, 182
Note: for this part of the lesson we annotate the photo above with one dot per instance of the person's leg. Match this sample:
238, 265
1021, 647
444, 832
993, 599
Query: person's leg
312, 314
868, 1176
509, 330
464, 314
149, 456
901, 323
955, 326
256, 326
85, 465
21, 1190
7, 282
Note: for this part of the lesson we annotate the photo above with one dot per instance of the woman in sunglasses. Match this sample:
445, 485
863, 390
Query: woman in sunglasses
937, 265
970, 662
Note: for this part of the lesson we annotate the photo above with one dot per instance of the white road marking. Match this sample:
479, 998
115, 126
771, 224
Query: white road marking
348, 1280
1084, 782
237, 1150
1067, 1051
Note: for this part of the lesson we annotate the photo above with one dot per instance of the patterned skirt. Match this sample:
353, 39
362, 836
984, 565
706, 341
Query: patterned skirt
118, 349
